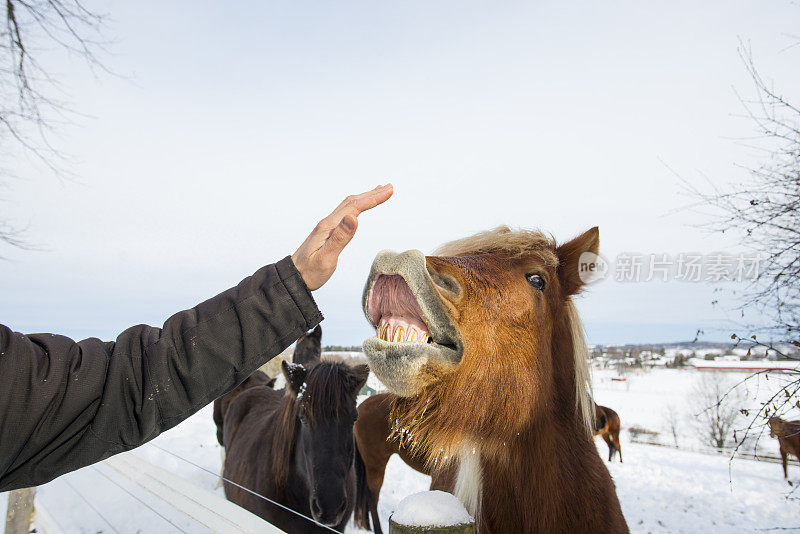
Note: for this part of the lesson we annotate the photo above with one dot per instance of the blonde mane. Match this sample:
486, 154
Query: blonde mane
503, 240
583, 378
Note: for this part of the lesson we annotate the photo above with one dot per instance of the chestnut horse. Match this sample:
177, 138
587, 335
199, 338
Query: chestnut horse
295, 447
484, 347
376, 445
607, 425
788, 434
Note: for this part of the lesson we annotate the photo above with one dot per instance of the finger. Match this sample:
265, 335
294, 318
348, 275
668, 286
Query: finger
356, 204
374, 198
340, 237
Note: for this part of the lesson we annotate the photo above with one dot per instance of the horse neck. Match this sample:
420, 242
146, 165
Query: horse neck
546, 480
548, 471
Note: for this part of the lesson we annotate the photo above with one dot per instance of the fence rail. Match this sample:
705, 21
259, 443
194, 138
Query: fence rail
210, 510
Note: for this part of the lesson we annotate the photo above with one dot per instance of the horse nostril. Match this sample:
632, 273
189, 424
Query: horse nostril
341, 510
316, 509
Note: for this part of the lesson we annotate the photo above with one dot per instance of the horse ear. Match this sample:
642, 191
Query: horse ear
317, 332
359, 375
569, 256
295, 375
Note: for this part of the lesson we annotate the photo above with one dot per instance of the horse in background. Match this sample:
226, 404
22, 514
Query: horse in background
296, 446
308, 349
376, 445
788, 434
607, 425
483, 345
258, 378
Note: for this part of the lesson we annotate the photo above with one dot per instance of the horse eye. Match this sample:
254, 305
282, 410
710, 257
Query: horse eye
536, 280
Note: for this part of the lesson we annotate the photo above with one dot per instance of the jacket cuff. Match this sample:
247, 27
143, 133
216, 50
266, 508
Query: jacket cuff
299, 292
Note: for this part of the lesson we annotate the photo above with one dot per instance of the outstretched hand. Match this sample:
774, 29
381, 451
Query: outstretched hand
317, 257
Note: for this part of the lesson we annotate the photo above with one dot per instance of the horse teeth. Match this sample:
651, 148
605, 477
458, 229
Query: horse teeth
399, 333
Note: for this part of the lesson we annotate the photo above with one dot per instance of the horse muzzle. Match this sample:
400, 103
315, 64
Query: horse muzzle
404, 304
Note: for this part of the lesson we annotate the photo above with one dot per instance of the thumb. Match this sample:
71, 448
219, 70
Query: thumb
341, 236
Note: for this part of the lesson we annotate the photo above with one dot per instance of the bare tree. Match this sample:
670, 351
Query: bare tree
28, 112
673, 419
765, 209
717, 406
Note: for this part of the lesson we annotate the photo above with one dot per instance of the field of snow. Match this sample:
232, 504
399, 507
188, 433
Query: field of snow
662, 489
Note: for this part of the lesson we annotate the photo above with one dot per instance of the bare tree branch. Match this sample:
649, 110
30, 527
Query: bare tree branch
28, 114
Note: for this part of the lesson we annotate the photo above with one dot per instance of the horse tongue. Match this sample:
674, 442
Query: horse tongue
391, 297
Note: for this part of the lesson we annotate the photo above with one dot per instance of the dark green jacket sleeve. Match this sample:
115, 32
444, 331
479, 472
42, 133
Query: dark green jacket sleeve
64, 405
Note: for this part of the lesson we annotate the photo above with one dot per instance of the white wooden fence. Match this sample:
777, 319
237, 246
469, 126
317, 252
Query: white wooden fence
214, 513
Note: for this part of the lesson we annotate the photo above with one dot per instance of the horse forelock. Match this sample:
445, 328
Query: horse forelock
504, 241
328, 391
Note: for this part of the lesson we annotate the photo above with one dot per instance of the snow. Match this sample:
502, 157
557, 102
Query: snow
431, 509
667, 490
661, 489
645, 398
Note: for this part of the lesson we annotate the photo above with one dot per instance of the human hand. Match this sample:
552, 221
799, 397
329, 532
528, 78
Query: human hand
317, 257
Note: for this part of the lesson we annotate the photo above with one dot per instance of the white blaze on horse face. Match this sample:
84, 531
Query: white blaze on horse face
469, 480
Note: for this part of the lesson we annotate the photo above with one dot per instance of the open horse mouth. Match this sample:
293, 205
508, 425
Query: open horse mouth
396, 312
413, 330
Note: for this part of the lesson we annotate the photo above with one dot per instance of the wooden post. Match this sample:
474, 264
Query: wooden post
464, 528
20, 511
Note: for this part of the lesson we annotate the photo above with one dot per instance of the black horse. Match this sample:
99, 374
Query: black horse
308, 349
296, 446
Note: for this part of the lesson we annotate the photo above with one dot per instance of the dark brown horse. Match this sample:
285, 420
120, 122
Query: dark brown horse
607, 425
483, 345
258, 378
788, 434
295, 447
376, 445
308, 349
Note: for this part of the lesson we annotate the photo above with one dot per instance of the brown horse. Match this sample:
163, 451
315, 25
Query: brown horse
376, 445
607, 425
295, 447
485, 349
788, 434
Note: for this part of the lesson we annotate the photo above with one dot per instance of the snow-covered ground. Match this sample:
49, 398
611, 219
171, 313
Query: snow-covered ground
645, 398
661, 489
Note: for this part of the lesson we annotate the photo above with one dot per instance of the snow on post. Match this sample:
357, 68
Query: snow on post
431, 512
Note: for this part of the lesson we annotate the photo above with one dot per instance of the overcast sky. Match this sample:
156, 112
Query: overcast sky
234, 126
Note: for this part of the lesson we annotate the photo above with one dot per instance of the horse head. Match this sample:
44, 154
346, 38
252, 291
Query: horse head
775, 426
482, 338
324, 397
308, 349
599, 418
